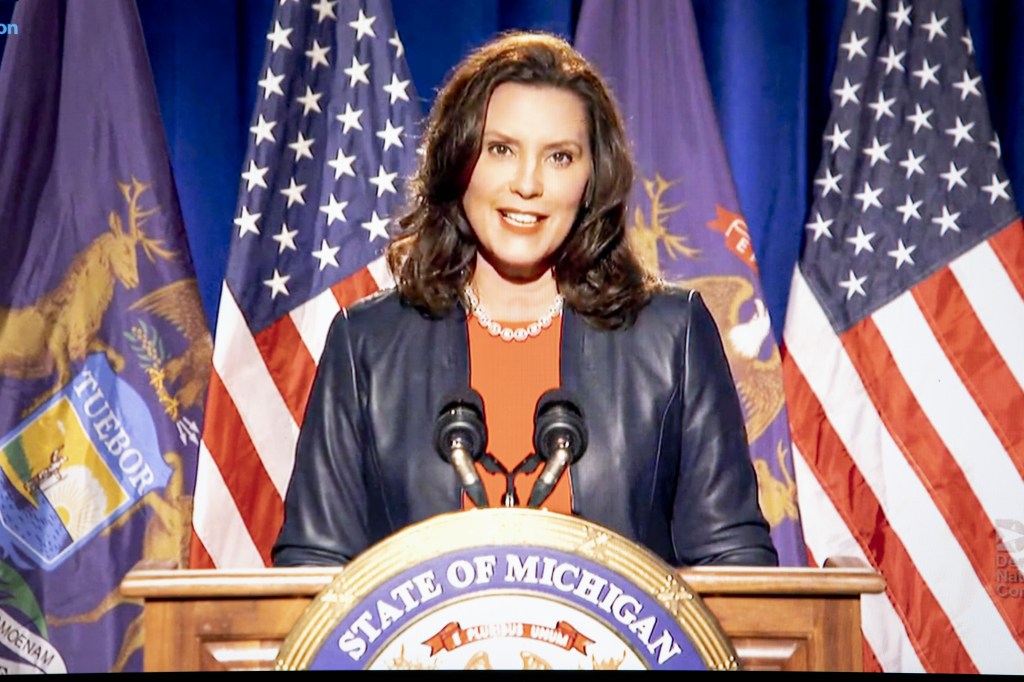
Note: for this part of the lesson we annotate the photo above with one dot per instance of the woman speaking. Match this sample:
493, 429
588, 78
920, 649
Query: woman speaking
515, 277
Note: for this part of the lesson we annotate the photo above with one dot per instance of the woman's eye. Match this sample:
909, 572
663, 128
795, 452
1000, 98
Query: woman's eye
500, 149
562, 158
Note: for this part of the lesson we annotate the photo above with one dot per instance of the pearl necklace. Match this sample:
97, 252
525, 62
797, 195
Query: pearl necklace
519, 333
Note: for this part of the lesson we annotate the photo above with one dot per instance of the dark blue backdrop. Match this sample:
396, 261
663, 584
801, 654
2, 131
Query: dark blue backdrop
769, 64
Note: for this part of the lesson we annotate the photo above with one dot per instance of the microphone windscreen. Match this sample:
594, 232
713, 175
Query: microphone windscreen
559, 416
466, 397
461, 417
557, 396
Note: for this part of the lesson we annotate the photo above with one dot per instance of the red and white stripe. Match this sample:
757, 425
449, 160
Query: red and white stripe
254, 408
908, 433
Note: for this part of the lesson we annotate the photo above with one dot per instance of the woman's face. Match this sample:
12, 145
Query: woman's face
529, 181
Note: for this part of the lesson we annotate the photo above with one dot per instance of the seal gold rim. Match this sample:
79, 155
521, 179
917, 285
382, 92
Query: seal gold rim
480, 528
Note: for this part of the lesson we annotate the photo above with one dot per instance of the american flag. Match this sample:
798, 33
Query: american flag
904, 346
333, 135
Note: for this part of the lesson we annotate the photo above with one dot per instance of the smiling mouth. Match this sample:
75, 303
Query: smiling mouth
520, 219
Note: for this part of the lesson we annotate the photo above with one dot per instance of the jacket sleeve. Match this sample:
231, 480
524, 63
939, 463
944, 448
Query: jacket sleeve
716, 517
325, 516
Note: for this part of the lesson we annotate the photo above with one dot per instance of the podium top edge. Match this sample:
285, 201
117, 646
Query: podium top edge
307, 582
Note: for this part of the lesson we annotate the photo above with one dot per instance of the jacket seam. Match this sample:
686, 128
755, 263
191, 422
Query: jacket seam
370, 449
682, 427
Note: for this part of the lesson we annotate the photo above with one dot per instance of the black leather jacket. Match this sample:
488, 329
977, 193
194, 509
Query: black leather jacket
667, 463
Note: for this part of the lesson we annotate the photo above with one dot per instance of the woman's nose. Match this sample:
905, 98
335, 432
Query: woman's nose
527, 181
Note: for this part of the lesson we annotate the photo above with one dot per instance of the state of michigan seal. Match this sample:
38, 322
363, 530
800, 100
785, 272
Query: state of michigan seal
507, 589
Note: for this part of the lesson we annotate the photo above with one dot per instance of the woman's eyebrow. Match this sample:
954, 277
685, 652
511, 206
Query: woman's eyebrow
497, 135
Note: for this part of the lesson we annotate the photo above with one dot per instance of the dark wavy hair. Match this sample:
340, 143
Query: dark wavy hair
434, 253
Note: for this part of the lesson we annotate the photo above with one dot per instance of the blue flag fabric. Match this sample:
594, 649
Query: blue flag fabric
104, 349
687, 223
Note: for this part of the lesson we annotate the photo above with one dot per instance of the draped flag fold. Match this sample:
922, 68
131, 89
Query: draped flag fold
687, 224
333, 137
903, 352
104, 348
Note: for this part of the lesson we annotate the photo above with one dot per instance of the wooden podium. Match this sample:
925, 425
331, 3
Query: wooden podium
777, 619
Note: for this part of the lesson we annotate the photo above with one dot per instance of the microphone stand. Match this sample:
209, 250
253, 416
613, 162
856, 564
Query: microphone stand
527, 466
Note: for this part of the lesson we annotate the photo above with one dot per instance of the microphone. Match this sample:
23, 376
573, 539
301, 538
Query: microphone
559, 437
460, 436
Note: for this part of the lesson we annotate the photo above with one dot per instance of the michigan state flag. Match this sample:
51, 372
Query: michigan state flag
686, 221
104, 350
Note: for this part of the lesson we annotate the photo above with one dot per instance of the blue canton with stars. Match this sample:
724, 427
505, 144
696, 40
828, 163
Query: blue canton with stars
334, 133
910, 176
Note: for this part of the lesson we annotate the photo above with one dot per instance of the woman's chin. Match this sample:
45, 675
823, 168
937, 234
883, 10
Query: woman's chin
518, 270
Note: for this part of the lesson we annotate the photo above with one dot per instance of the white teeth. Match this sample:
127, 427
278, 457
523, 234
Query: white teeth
520, 218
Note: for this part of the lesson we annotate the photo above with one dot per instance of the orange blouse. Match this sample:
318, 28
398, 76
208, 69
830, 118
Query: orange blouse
511, 376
